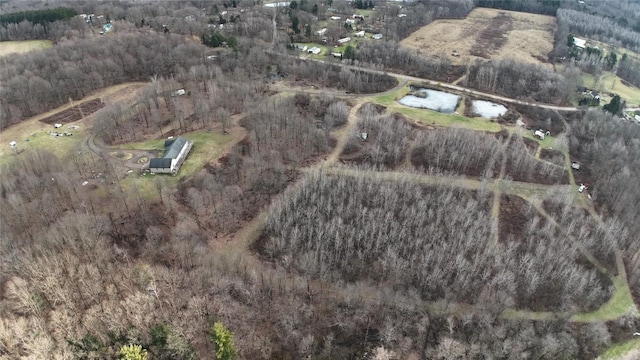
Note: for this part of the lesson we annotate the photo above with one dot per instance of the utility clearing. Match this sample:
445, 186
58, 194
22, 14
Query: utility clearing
487, 34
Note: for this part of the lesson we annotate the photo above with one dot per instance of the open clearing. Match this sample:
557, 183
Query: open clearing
488, 34
609, 82
16, 47
36, 131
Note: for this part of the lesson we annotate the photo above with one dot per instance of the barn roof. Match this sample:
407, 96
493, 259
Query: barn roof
174, 149
160, 163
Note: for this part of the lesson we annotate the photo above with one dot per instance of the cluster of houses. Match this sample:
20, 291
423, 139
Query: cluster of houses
588, 92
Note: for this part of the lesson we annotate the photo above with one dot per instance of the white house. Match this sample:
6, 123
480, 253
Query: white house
335, 18
402, 15
336, 54
321, 31
539, 134
377, 36
350, 21
314, 50
174, 156
359, 34
344, 40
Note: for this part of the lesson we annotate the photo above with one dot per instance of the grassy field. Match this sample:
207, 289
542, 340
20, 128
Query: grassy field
620, 304
435, 118
16, 47
618, 350
609, 82
495, 34
207, 146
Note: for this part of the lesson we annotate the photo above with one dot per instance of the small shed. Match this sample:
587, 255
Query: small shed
575, 165
314, 50
13, 144
359, 34
377, 36
579, 43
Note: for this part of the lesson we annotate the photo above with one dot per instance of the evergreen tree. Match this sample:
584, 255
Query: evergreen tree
132, 352
295, 25
349, 53
614, 106
222, 338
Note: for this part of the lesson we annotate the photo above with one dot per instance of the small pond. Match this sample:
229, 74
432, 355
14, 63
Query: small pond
434, 100
488, 109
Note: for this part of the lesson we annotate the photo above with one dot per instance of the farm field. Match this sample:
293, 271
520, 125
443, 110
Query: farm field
488, 34
16, 47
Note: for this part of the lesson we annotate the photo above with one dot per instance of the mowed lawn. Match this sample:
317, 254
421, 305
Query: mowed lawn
609, 82
16, 47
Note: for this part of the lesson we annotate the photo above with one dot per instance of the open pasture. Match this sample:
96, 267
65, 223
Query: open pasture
17, 47
487, 34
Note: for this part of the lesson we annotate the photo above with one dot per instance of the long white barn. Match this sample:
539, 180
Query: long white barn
174, 156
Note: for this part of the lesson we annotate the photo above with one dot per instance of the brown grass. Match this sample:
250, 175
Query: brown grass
16, 47
487, 34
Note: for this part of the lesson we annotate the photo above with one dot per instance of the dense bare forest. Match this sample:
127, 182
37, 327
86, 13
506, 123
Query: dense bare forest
599, 28
524, 81
362, 259
331, 229
611, 149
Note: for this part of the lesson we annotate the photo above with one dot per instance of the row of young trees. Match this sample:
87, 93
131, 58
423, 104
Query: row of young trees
435, 240
453, 151
386, 143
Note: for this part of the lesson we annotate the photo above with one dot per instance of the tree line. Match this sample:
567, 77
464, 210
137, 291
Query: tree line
37, 82
38, 16
523, 81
